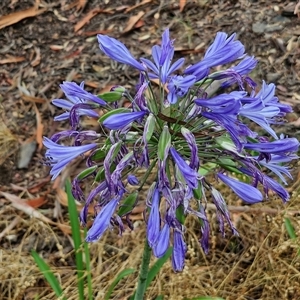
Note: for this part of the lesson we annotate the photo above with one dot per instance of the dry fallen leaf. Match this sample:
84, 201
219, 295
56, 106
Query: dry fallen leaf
182, 4
12, 59
37, 59
137, 5
89, 16
20, 15
39, 128
33, 99
132, 21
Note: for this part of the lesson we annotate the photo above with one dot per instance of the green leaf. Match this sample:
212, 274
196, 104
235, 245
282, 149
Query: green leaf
128, 204
111, 96
289, 228
75, 227
120, 276
180, 214
87, 172
99, 155
113, 112
198, 191
160, 297
164, 143
226, 143
206, 168
150, 124
48, 274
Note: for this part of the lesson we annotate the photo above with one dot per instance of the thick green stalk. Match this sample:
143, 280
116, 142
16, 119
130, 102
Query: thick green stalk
139, 295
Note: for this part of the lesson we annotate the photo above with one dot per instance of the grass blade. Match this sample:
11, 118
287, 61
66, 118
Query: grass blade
77, 239
50, 277
88, 268
289, 228
120, 276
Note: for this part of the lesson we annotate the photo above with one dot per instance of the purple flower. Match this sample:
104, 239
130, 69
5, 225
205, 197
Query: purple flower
84, 212
282, 146
217, 103
276, 165
102, 221
58, 156
119, 121
191, 176
226, 117
178, 86
179, 250
162, 57
190, 139
235, 74
205, 229
162, 242
153, 225
245, 191
118, 52
258, 113
270, 183
222, 211
132, 180
267, 94
78, 136
223, 50
76, 96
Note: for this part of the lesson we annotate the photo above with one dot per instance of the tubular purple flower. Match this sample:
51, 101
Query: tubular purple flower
226, 117
179, 86
258, 113
84, 212
179, 250
153, 226
246, 192
118, 52
282, 147
119, 121
191, 176
270, 183
222, 210
190, 139
58, 156
235, 74
223, 50
277, 167
162, 242
132, 180
162, 57
76, 95
218, 102
205, 230
102, 221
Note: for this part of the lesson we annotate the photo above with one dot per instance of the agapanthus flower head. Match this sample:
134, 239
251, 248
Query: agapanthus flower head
175, 135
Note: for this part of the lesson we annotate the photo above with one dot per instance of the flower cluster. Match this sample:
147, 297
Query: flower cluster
184, 131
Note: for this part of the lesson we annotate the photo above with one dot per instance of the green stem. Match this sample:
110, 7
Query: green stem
139, 295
